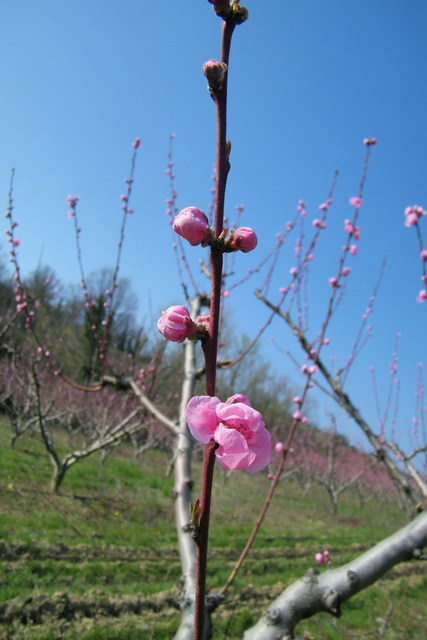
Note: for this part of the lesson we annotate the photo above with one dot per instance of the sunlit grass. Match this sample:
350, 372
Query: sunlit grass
111, 530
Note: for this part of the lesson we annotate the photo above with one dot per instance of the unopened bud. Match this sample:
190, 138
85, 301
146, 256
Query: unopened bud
215, 74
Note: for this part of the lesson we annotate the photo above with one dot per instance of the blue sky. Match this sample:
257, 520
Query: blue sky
307, 82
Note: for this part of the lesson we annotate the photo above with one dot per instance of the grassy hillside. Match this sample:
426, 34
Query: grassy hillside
99, 561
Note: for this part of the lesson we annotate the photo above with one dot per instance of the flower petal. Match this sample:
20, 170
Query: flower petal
260, 445
201, 417
233, 451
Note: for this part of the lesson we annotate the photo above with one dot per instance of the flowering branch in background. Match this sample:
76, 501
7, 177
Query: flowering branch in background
413, 216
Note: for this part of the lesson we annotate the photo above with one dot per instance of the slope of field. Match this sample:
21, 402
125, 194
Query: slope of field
99, 561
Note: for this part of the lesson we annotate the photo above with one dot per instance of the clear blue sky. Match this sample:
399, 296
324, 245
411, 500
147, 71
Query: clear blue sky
308, 81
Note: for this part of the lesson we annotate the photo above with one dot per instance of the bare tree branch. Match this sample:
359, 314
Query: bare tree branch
328, 591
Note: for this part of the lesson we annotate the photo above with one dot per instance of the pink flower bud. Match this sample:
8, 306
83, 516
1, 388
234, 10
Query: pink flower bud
319, 558
355, 202
204, 321
279, 447
333, 282
175, 324
192, 225
244, 239
370, 142
214, 72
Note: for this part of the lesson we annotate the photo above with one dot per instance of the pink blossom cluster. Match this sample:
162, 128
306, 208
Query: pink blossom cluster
238, 430
413, 215
370, 142
72, 203
192, 224
323, 558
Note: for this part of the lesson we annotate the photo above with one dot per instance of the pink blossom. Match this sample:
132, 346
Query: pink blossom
175, 324
326, 554
413, 214
348, 227
411, 219
422, 296
244, 239
370, 142
16, 242
319, 558
423, 254
323, 206
297, 414
237, 428
319, 224
136, 143
353, 249
346, 271
333, 282
192, 225
356, 202
279, 447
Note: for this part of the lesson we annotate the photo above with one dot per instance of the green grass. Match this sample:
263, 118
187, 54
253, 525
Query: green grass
109, 540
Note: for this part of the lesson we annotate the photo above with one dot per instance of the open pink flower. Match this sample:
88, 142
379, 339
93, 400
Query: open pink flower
192, 225
356, 202
175, 324
236, 427
244, 239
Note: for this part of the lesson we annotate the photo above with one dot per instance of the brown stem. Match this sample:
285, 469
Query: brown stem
210, 347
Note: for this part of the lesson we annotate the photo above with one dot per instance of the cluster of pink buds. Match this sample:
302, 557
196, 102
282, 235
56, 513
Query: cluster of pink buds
370, 142
323, 558
72, 203
413, 215
175, 324
193, 225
